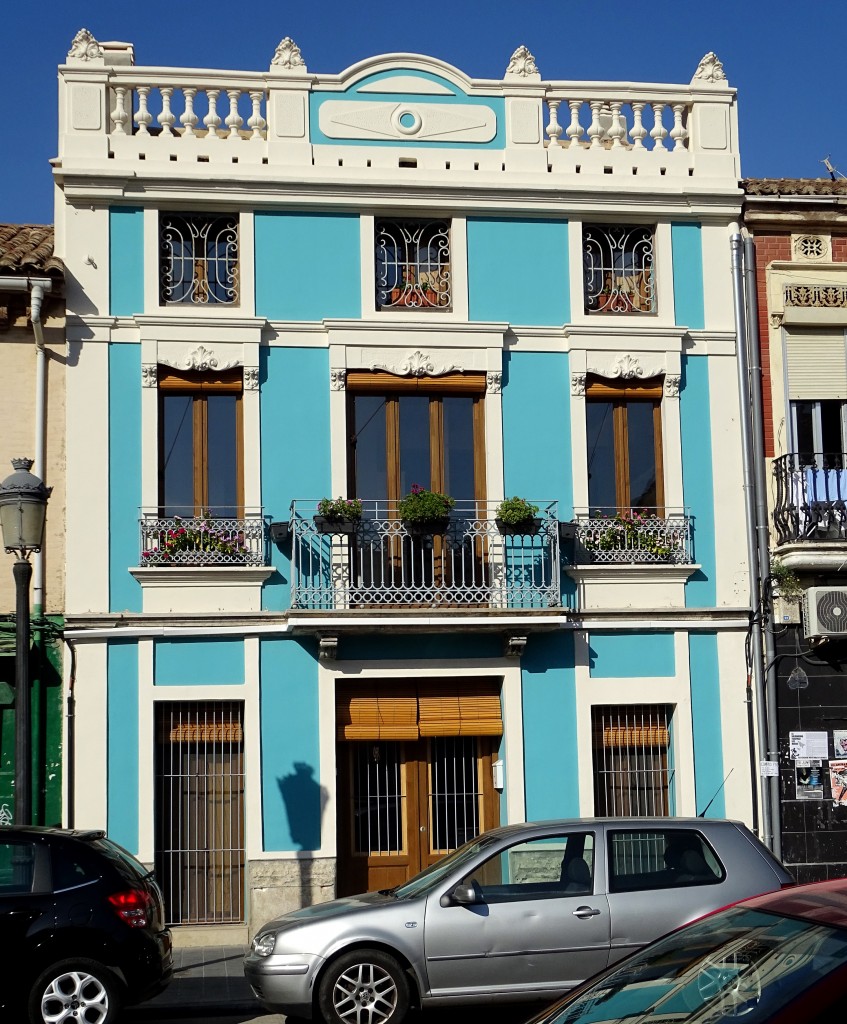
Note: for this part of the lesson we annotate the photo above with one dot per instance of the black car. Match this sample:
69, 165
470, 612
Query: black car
81, 927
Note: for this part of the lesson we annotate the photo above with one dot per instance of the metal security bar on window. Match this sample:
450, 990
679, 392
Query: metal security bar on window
199, 793
198, 259
413, 265
631, 771
618, 269
379, 799
455, 796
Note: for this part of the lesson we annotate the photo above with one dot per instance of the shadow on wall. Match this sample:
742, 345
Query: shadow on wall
305, 801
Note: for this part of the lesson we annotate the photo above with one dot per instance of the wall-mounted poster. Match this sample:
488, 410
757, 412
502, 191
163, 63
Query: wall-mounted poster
838, 782
809, 744
839, 742
807, 776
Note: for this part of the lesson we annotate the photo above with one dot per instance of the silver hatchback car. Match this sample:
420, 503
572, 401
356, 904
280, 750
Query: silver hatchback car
521, 912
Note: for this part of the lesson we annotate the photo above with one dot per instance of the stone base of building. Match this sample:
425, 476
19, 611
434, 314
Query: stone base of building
276, 887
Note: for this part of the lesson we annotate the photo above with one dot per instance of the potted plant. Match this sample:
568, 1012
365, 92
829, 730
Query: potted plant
631, 531
516, 516
338, 515
425, 512
202, 544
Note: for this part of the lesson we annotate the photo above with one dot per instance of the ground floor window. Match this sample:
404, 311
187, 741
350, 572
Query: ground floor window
199, 792
632, 762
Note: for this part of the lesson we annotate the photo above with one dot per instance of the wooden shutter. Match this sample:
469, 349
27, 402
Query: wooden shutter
816, 365
376, 712
379, 382
635, 736
463, 708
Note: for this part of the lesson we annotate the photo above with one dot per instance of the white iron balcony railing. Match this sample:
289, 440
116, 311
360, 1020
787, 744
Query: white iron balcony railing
641, 535
206, 539
381, 561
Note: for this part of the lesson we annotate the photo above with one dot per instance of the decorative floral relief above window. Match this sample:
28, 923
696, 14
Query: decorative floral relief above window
810, 247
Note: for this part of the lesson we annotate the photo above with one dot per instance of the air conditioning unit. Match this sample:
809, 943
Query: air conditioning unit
825, 612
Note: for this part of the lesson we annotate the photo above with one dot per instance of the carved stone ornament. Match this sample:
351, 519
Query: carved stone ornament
338, 379
775, 319
627, 368
577, 383
494, 382
201, 358
672, 382
85, 47
149, 375
251, 378
522, 65
287, 57
417, 365
709, 69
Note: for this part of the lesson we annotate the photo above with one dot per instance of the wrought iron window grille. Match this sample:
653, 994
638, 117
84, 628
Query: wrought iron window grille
413, 265
198, 259
618, 269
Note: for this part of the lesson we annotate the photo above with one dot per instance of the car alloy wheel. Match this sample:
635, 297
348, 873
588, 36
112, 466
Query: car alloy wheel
365, 987
74, 992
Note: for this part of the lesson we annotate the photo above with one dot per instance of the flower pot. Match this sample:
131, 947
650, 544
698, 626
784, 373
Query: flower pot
426, 527
524, 528
323, 524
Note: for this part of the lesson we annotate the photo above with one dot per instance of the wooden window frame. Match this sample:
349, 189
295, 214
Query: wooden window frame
198, 385
620, 397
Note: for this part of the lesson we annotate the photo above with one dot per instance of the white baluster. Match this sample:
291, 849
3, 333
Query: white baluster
143, 118
595, 129
212, 119
574, 129
256, 122
119, 115
616, 128
188, 118
233, 119
638, 130
658, 132
554, 129
166, 117
679, 133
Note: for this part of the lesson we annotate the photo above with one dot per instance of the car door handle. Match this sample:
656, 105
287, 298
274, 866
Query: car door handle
584, 912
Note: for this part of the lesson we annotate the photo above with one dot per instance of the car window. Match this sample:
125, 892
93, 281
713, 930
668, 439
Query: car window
660, 859
121, 858
73, 865
17, 867
541, 868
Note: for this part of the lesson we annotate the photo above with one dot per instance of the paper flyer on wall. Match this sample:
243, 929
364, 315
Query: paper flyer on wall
808, 779
839, 743
838, 782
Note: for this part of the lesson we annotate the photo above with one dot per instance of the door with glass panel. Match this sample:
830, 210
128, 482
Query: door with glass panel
403, 805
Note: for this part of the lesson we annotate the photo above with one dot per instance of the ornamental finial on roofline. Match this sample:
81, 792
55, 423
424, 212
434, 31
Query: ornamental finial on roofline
287, 57
709, 70
85, 47
522, 65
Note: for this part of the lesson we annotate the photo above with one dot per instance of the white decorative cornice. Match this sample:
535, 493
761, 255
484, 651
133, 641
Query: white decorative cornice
251, 378
287, 57
494, 382
672, 382
627, 367
338, 379
201, 358
417, 365
709, 70
522, 65
84, 48
149, 375
577, 383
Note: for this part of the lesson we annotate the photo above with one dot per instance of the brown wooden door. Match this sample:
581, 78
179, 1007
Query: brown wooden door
404, 805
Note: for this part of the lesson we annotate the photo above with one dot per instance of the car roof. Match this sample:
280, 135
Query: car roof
824, 902
633, 822
48, 830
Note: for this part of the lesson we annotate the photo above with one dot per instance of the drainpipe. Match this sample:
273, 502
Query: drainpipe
762, 531
761, 791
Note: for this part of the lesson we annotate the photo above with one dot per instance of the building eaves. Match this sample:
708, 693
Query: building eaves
794, 186
28, 249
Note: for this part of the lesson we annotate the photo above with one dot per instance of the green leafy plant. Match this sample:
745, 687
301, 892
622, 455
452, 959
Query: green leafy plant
785, 581
514, 511
205, 537
423, 506
340, 508
630, 530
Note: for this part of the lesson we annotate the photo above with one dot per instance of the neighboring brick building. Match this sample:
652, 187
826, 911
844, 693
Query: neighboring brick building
34, 388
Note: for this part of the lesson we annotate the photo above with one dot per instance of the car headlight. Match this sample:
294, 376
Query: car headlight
263, 945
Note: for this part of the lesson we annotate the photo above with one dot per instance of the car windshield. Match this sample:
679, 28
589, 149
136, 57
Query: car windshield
738, 963
441, 868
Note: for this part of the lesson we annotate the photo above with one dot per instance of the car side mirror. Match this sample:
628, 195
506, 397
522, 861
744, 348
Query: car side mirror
464, 894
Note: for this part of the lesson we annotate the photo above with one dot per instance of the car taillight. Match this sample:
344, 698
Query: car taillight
132, 906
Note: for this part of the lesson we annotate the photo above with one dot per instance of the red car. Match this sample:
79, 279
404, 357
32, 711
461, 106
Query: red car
779, 958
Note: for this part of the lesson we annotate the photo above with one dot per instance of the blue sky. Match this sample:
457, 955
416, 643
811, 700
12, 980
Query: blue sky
789, 70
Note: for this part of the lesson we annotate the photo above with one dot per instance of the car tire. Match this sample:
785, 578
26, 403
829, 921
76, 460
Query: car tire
365, 986
75, 990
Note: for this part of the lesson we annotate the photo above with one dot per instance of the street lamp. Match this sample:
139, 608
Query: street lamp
23, 504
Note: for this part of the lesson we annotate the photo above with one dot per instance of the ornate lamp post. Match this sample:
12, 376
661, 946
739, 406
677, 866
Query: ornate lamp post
23, 504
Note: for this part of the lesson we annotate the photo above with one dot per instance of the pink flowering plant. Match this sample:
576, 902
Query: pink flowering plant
423, 506
631, 530
338, 509
195, 541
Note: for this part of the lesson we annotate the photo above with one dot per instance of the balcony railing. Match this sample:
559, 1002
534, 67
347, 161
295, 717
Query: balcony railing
811, 497
210, 539
381, 561
642, 535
